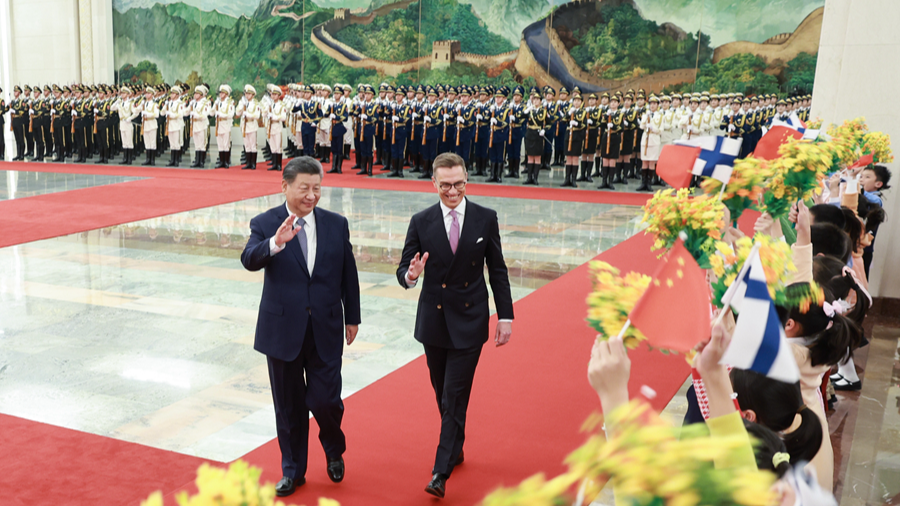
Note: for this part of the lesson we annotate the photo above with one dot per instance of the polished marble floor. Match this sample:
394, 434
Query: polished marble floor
16, 184
144, 331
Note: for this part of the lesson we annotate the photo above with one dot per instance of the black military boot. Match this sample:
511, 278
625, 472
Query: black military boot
605, 176
645, 181
196, 162
619, 169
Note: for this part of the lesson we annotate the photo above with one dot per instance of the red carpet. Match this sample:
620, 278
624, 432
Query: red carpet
529, 401
63, 213
48, 465
348, 179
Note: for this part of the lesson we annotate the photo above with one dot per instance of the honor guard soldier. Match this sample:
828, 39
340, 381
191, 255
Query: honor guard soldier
414, 146
611, 142
552, 108
101, 125
57, 106
223, 111
536, 124
482, 130
82, 123
367, 126
466, 120
448, 138
29, 124
499, 134
516, 131
3, 109
310, 114
40, 120
626, 149
19, 121
173, 111
651, 142
338, 112
561, 128
275, 119
432, 131
149, 109
248, 111
576, 123
591, 139
640, 106
387, 126
400, 113
124, 106
199, 111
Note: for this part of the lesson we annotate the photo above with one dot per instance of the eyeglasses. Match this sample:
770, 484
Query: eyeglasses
459, 185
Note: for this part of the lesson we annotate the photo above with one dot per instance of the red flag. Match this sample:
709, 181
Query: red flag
864, 161
767, 147
674, 311
676, 163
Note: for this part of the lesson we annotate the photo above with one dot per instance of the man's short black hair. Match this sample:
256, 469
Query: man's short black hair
302, 165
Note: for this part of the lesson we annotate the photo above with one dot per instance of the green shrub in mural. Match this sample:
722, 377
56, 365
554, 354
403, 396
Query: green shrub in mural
624, 44
800, 73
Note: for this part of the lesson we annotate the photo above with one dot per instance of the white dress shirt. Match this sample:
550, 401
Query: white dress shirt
310, 228
448, 221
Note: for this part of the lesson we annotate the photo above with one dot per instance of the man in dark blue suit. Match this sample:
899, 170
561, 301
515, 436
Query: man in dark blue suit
310, 293
459, 237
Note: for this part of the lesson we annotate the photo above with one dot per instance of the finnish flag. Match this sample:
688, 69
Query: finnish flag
758, 343
716, 158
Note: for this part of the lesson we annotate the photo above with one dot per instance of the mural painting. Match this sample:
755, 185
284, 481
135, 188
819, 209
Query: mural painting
752, 46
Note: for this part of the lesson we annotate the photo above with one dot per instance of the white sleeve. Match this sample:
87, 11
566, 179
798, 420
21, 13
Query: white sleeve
274, 248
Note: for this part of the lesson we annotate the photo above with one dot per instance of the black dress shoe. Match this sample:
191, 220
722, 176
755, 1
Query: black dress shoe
287, 486
437, 486
335, 469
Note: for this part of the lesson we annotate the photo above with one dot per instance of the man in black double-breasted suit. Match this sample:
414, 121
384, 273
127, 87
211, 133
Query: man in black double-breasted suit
310, 293
450, 243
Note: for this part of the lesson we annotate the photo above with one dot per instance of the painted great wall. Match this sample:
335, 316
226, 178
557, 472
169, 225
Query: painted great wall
543, 56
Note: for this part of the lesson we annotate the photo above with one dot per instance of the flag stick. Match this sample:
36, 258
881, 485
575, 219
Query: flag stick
624, 328
722, 191
729, 294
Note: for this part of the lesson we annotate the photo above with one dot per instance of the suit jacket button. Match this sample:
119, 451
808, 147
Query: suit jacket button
439, 306
444, 285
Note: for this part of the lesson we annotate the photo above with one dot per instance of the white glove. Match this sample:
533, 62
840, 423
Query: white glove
395, 118
30, 111
446, 117
479, 117
74, 113
731, 128
195, 115
590, 122
96, 110
625, 122
573, 123
52, 111
332, 116
609, 126
363, 117
427, 119
493, 121
460, 119
414, 115
512, 117
315, 124
542, 132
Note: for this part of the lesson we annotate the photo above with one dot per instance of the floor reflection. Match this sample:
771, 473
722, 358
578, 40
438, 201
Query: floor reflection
144, 331
16, 184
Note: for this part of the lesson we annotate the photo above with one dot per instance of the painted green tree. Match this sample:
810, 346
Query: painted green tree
800, 73
743, 72
625, 44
